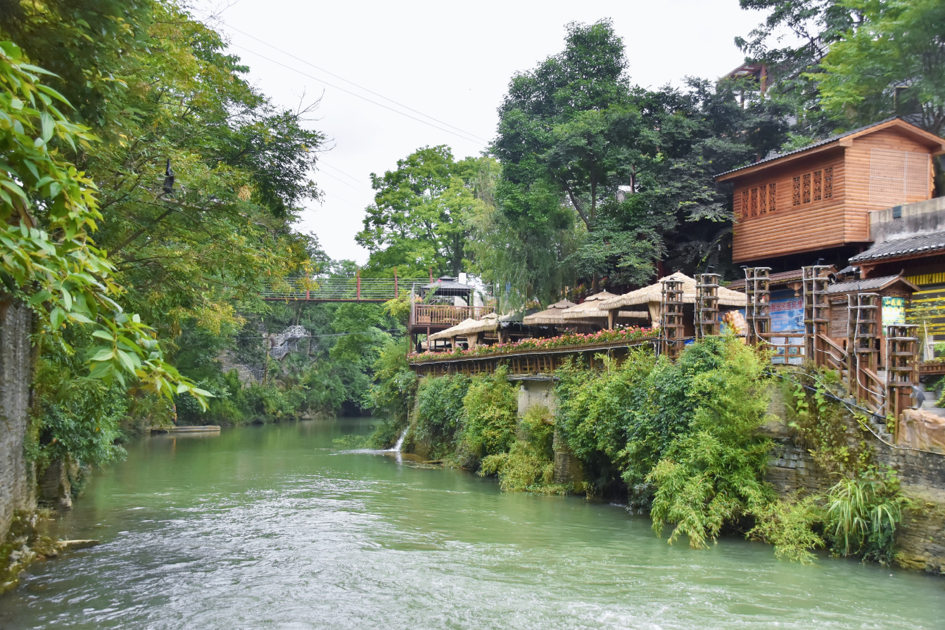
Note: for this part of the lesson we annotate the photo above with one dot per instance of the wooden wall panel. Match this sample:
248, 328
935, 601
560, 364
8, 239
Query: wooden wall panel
809, 226
858, 159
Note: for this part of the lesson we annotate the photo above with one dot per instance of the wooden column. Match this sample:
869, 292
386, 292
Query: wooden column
816, 312
862, 346
707, 305
671, 319
901, 345
757, 311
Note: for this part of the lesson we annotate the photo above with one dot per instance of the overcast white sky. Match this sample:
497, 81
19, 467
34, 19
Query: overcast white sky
451, 61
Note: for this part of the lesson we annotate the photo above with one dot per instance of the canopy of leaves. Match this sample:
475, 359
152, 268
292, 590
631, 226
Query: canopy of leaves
48, 211
891, 62
422, 212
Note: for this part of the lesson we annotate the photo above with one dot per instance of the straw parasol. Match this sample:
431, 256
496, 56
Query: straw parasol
459, 330
468, 327
652, 295
590, 308
551, 316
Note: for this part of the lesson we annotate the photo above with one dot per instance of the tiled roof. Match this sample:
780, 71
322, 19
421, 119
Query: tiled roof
919, 244
862, 286
819, 143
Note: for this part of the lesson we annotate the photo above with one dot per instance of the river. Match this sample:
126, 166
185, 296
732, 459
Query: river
277, 527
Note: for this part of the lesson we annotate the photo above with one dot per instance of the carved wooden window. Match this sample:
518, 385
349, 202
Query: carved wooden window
818, 185
797, 191
745, 203
805, 188
828, 182
772, 195
754, 202
763, 200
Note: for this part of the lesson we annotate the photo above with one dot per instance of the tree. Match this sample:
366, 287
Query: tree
566, 121
634, 167
815, 25
892, 62
160, 87
421, 212
48, 211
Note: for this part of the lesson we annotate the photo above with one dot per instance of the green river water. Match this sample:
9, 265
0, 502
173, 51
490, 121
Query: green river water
275, 527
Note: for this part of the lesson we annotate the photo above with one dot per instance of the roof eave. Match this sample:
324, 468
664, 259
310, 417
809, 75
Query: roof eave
755, 168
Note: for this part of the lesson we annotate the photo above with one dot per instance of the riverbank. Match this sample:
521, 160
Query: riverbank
713, 442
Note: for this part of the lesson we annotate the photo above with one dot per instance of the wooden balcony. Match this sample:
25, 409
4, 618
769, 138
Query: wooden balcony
442, 316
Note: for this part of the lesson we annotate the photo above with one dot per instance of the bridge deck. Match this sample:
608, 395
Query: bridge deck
355, 289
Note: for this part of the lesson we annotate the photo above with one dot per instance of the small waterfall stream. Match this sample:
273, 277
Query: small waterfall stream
400, 442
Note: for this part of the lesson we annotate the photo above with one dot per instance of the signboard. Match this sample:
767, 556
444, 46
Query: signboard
787, 314
894, 311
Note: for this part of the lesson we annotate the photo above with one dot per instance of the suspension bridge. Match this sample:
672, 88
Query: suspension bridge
355, 289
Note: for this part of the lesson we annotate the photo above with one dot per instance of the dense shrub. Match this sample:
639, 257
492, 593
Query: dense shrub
440, 413
862, 515
529, 464
392, 394
490, 407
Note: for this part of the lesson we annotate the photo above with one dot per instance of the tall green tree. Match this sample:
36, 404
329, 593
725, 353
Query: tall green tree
633, 167
420, 218
891, 62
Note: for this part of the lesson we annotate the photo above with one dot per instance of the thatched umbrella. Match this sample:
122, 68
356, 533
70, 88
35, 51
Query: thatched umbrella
590, 310
468, 328
652, 295
551, 316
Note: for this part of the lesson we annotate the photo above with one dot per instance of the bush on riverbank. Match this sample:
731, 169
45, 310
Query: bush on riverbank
681, 440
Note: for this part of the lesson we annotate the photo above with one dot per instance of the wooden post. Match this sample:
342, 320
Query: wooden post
901, 345
359, 284
863, 336
610, 318
816, 312
396, 288
707, 305
671, 318
757, 313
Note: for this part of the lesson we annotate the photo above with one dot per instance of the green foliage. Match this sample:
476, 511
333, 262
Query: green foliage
713, 472
393, 392
890, 62
48, 211
490, 407
596, 414
421, 214
823, 426
789, 524
863, 513
529, 464
441, 413
602, 179
76, 418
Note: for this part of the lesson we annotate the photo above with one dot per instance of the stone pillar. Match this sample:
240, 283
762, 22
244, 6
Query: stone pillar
55, 490
15, 375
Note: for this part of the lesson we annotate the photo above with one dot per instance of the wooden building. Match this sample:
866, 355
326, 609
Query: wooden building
816, 202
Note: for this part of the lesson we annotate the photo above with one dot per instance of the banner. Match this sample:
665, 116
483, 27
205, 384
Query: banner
894, 311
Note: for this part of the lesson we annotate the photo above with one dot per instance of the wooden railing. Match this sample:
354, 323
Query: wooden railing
445, 315
790, 348
871, 390
834, 356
